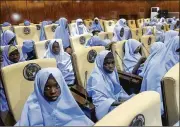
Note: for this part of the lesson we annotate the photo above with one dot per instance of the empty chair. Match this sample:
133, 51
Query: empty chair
136, 33
109, 26
83, 62
50, 31
41, 47
141, 110
139, 23
25, 33
79, 42
147, 41
170, 92
106, 35
131, 24
18, 82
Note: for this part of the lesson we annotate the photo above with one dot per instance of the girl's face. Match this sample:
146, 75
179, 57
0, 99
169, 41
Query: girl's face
56, 48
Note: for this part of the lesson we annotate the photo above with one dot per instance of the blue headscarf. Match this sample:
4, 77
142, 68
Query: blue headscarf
63, 61
169, 35
79, 29
153, 22
27, 23
6, 37
95, 26
96, 41
6, 60
3, 101
42, 32
63, 112
6, 24
163, 21
62, 33
159, 32
28, 49
154, 69
119, 25
130, 58
103, 87
148, 31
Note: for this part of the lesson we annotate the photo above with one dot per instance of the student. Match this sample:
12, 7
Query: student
80, 28
148, 31
51, 103
121, 31
63, 60
96, 25
132, 58
169, 35
28, 50
103, 85
6, 24
7, 38
159, 32
163, 21
62, 32
11, 55
27, 23
95, 40
42, 32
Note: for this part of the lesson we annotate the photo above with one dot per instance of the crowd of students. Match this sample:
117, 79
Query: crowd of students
52, 104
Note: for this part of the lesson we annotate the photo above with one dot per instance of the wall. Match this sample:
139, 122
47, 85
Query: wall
71, 9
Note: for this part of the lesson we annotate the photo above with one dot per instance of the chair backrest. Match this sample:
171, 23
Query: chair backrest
7, 28
141, 110
73, 21
170, 91
22, 24
139, 23
25, 33
131, 24
106, 35
38, 28
118, 53
109, 26
78, 42
167, 27
50, 31
136, 33
41, 47
83, 62
147, 41
18, 82
147, 20
102, 23
88, 23
144, 29
71, 27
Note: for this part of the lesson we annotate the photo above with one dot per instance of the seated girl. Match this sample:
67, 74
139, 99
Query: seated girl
28, 50
7, 38
80, 28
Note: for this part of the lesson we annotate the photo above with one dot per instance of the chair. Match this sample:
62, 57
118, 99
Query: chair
88, 23
79, 42
25, 33
18, 82
7, 28
83, 63
109, 26
71, 27
131, 24
102, 23
139, 23
170, 92
141, 110
167, 27
41, 47
144, 29
147, 20
50, 31
147, 41
106, 35
38, 28
22, 24
73, 21
136, 33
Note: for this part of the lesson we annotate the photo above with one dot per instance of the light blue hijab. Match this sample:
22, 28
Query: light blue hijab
42, 32
153, 22
104, 88
3, 101
27, 23
62, 33
96, 41
6, 37
6, 24
169, 35
63, 112
95, 26
159, 32
154, 69
130, 58
63, 61
148, 31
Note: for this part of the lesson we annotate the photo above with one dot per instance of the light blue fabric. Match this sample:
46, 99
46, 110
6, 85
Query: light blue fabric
27, 23
96, 41
6, 37
27, 48
6, 24
95, 26
130, 58
79, 29
119, 25
42, 32
163, 21
64, 111
177, 124
159, 33
104, 88
3, 101
169, 35
62, 32
63, 61
148, 31
153, 22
